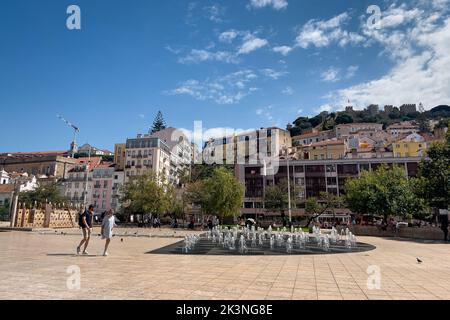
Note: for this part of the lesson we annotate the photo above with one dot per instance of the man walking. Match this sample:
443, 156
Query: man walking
85, 223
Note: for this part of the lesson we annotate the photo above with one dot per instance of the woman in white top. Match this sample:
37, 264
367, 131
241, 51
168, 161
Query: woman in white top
108, 224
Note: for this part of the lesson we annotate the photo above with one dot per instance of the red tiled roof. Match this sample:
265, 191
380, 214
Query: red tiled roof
327, 143
306, 135
6, 188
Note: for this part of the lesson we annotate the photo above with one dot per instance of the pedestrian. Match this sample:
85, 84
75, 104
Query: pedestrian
85, 223
108, 224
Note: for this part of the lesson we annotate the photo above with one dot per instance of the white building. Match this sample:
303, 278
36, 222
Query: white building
4, 177
403, 128
146, 153
180, 151
249, 147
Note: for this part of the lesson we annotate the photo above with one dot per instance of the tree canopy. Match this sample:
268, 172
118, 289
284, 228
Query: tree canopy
219, 193
42, 194
148, 194
434, 173
159, 123
386, 192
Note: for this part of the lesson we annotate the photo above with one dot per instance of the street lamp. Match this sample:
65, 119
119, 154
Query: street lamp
289, 184
87, 179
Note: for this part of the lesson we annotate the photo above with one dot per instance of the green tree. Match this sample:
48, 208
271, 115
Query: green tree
434, 173
224, 193
316, 207
386, 192
146, 194
42, 194
159, 123
344, 118
277, 197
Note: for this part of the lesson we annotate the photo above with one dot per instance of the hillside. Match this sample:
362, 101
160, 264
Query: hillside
327, 121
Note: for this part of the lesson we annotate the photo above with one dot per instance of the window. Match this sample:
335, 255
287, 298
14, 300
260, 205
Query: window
105, 184
77, 185
331, 181
103, 204
104, 194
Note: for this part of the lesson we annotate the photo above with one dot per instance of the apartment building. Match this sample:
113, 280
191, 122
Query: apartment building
79, 180
180, 151
106, 187
51, 164
323, 150
146, 153
313, 137
404, 128
120, 156
347, 131
248, 147
412, 145
311, 177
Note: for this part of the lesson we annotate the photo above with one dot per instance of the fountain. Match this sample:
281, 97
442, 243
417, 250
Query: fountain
224, 241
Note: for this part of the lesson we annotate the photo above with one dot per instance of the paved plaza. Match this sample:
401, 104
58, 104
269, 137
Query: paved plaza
33, 265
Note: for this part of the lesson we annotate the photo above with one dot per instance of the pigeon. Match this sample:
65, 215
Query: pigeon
419, 261
121, 240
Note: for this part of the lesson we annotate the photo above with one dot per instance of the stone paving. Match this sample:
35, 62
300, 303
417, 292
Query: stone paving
34, 266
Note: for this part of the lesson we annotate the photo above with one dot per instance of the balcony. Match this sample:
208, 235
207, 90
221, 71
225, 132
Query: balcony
97, 186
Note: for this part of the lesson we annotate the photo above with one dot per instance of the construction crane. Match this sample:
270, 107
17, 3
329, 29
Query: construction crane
76, 130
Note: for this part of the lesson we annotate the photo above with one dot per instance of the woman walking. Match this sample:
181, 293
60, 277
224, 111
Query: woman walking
108, 224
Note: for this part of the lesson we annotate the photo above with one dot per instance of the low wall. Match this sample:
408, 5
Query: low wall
426, 233
45, 217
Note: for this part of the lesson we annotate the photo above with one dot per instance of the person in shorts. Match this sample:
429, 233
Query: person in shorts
85, 224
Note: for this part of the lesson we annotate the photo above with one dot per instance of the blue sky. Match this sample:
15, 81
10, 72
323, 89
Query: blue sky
239, 64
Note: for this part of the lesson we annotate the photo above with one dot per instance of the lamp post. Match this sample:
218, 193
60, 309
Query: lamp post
289, 184
87, 179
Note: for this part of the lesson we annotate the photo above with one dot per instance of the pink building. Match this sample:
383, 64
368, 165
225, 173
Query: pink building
106, 185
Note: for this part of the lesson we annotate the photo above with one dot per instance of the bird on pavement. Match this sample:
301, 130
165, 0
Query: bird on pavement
419, 261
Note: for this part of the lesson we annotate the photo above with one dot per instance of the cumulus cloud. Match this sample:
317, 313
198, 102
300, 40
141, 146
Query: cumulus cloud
251, 43
330, 75
322, 33
284, 50
419, 46
275, 4
225, 90
197, 56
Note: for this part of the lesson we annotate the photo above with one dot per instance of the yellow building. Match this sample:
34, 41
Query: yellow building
407, 149
119, 155
413, 145
327, 150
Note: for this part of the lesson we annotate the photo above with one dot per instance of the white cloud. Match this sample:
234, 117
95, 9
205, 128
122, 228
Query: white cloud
284, 50
288, 91
142, 116
274, 74
325, 32
420, 53
259, 112
196, 56
330, 75
251, 43
228, 89
228, 36
276, 4
215, 13
324, 108
351, 71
